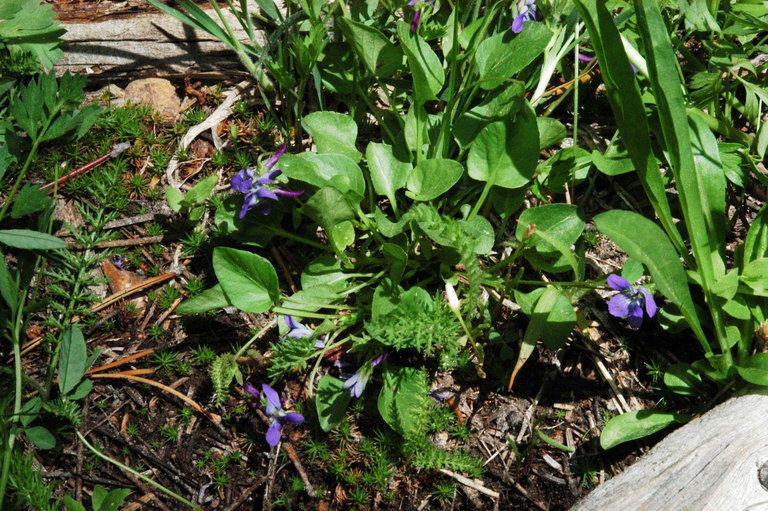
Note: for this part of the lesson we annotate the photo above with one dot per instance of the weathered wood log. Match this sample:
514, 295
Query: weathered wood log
145, 43
716, 462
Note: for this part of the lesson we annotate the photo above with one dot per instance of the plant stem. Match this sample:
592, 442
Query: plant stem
139, 475
253, 339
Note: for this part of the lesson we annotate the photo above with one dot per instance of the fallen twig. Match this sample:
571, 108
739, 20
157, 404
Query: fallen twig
223, 111
472, 484
131, 290
192, 403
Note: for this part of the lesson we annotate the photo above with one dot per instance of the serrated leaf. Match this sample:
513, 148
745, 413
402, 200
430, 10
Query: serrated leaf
402, 400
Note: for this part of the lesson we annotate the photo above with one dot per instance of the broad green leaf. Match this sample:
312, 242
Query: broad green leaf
335, 170
557, 227
643, 240
727, 285
104, 500
324, 271
71, 504
81, 390
425, 66
310, 300
331, 402
397, 259
403, 399
568, 165
330, 209
380, 56
551, 321
249, 281
755, 369
501, 56
210, 299
551, 131
30, 240
72, 361
30, 410
201, 191
431, 178
30, 200
480, 231
41, 437
635, 425
174, 198
9, 290
632, 270
505, 154
756, 242
628, 108
498, 105
683, 379
333, 133
388, 174
755, 276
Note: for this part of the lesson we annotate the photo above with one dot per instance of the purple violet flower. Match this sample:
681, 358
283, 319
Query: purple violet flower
273, 408
526, 11
299, 331
417, 14
357, 382
629, 302
117, 260
256, 190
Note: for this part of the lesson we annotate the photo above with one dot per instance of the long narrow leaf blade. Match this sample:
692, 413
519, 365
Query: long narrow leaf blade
624, 96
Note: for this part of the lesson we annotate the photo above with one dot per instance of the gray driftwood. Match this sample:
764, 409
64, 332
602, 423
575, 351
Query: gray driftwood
146, 43
718, 462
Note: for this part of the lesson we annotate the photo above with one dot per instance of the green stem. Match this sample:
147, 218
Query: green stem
253, 339
16, 340
139, 475
286, 234
305, 314
481, 200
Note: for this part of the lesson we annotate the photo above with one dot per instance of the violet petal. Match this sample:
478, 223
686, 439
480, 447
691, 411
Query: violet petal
293, 418
619, 305
650, 304
273, 159
273, 433
635, 318
273, 399
618, 282
243, 180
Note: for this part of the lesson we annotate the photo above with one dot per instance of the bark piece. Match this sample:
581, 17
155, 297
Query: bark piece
710, 464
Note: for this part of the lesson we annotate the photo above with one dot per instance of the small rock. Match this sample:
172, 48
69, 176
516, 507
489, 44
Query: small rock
158, 93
